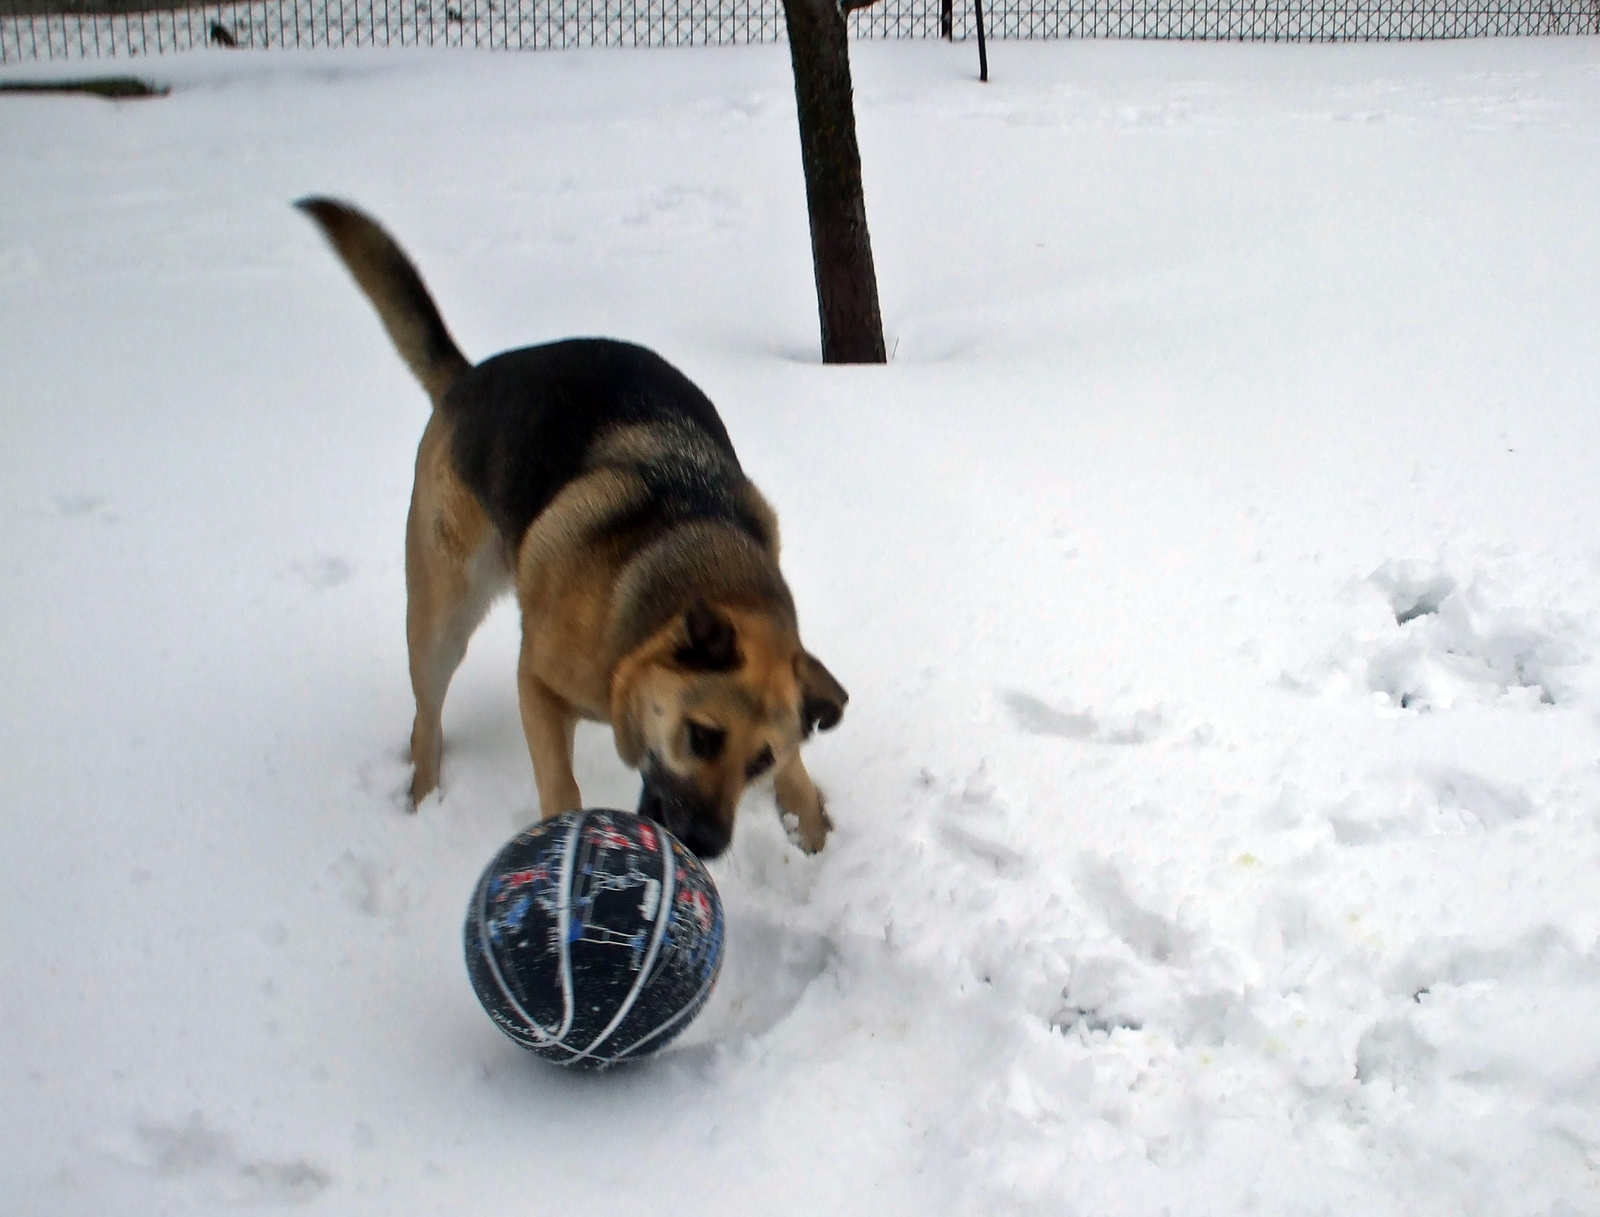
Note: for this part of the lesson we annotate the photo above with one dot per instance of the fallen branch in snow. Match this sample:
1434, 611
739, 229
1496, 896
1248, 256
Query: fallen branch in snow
115, 88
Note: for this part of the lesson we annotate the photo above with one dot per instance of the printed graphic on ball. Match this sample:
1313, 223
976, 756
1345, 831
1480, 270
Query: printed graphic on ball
594, 937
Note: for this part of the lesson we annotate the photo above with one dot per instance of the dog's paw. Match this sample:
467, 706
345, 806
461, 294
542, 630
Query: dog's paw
810, 833
422, 789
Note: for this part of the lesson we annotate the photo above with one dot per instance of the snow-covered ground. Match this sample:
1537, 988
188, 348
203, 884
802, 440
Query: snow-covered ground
1215, 571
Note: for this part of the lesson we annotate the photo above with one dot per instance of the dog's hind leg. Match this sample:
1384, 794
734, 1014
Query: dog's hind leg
455, 566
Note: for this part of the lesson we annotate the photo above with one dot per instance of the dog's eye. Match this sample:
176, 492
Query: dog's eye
758, 766
706, 742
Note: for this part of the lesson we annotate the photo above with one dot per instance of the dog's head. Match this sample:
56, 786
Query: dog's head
717, 700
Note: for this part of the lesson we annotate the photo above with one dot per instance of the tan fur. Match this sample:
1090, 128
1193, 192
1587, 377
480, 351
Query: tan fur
602, 606
577, 601
455, 566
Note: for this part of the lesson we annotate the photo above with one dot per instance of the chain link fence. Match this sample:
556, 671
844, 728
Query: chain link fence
73, 29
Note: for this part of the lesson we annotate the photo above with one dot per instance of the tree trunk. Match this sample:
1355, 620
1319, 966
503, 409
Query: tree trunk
847, 285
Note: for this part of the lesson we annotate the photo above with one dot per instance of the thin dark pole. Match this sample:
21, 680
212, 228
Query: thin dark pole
983, 50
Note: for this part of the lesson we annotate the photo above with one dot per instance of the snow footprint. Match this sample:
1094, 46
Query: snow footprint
973, 822
680, 212
323, 571
1036, 717
1128, 981
1427, 802
206, 1157
82, 506
372, 888
1154, 938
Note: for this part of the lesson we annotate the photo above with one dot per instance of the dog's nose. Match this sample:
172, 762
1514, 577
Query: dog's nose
705, 838
651, 807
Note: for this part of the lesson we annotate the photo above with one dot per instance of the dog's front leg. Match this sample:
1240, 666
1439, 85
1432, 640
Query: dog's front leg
550, 725
798, 797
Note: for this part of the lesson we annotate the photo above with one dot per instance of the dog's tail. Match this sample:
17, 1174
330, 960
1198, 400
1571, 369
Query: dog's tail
386, 275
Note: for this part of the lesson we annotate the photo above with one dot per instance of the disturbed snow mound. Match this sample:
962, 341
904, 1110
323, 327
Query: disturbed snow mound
1428, 641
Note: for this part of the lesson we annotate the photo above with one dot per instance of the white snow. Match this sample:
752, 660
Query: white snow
1215, 571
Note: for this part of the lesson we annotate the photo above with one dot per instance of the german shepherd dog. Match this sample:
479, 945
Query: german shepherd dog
593, 478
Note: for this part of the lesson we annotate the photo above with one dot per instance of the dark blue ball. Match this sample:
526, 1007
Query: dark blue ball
593, 938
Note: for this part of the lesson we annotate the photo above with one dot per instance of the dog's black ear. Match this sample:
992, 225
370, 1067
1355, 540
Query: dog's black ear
822, 697
710, 643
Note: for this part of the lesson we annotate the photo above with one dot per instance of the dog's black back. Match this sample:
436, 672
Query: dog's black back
525, 423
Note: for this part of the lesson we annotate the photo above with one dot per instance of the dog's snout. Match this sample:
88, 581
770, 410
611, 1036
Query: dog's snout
705, 838
702, 832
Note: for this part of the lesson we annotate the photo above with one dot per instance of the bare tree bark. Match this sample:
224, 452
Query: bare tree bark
841, 252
